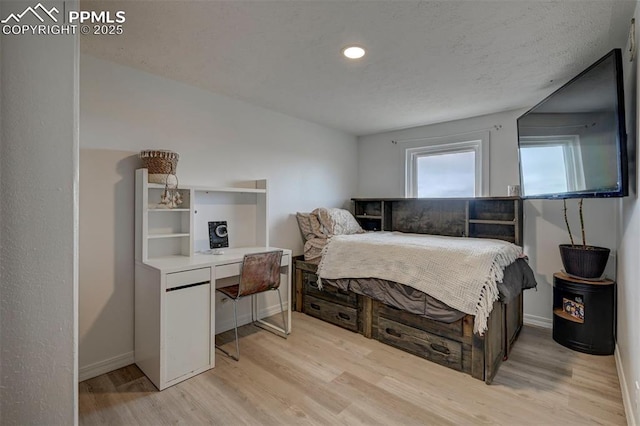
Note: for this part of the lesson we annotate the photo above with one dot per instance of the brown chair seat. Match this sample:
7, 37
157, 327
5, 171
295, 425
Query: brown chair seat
231, 291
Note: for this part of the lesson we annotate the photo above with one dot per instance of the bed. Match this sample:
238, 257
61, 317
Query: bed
399, 314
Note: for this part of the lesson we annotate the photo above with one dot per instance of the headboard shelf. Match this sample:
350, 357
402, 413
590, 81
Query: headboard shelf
487, 217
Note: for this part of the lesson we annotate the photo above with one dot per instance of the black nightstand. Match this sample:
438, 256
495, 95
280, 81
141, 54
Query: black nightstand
584, 314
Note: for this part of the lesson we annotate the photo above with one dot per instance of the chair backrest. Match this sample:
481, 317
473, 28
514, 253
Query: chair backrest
260, 272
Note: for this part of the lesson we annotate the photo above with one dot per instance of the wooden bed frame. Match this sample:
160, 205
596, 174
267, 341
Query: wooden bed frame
453, 345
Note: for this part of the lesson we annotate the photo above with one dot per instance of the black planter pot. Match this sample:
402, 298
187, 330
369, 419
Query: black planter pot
587, 263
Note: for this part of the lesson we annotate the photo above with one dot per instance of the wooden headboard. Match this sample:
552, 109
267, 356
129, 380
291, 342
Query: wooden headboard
492, 217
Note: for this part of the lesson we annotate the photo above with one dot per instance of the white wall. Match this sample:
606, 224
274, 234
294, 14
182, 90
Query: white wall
39, 175
381, 166
220, 141
106, 259
381, 163
1, 245
628, 336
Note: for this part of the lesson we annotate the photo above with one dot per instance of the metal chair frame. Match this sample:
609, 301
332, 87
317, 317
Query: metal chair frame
255, 320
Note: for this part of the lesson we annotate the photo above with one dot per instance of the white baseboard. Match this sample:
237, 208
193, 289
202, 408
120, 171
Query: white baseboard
93, 370
227, 323
537, 321
626, 398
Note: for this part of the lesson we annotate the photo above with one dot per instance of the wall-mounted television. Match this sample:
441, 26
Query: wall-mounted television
573, 144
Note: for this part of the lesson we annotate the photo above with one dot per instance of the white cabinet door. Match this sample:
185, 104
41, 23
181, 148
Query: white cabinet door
188, 331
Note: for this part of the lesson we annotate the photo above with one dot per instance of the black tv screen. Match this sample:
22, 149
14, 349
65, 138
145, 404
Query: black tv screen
573, 144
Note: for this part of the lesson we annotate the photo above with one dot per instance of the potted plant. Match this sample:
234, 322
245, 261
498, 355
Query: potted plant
582, 260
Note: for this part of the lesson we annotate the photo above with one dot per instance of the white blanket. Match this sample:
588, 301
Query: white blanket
461, 272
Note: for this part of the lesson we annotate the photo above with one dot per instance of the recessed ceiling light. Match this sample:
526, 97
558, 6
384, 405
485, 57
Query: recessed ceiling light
353, 52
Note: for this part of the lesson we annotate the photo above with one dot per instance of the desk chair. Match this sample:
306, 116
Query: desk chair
259, 272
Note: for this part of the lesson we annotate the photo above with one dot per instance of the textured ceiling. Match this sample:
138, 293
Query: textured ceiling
426, 62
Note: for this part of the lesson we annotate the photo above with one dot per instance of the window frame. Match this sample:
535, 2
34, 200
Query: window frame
572, 156
476, 142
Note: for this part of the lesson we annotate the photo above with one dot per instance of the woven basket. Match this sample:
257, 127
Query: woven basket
160, 164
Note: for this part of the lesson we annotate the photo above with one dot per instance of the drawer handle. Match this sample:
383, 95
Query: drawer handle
314, 306
182, 287
313, 284
344, 316
345, 292
392, 332
440, 348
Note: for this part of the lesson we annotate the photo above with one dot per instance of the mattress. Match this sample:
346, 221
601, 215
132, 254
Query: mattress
518, 276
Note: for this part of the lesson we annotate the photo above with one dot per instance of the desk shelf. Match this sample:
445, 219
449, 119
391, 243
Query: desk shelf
161, 231
183, 230
230, 190
177, 235
154, 210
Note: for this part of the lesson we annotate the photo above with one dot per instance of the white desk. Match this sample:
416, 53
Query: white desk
175, 330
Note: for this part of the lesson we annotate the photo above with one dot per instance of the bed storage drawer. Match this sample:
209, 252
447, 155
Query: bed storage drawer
340, 315
435, 348
328, 292
455, 330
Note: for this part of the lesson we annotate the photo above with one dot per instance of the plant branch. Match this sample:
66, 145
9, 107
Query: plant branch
584, 240
566, 220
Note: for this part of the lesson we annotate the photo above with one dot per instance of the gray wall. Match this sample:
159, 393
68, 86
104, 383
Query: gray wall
220, 141
39, 175
628, 333
1, 239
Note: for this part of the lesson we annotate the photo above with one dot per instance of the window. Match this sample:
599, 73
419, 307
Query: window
448, 167
552, 163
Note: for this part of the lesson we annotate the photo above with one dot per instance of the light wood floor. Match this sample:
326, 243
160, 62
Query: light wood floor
326, 375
